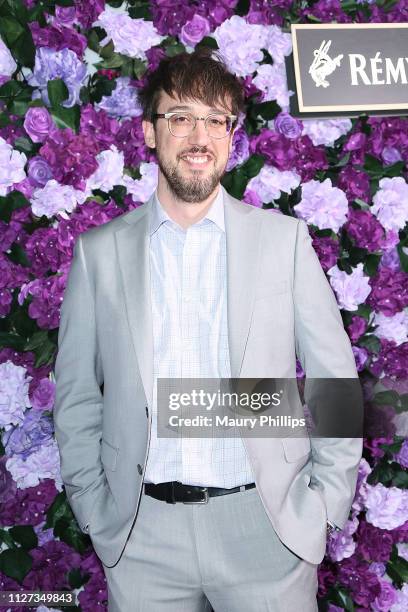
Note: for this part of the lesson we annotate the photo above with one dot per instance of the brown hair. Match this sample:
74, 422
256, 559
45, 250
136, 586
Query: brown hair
201, 75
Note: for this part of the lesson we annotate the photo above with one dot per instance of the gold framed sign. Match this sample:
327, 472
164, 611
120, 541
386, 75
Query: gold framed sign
348, 69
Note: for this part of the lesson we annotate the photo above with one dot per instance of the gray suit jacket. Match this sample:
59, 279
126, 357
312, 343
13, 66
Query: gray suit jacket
280, 305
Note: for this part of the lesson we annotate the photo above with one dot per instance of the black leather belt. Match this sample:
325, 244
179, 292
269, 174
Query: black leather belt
173, 492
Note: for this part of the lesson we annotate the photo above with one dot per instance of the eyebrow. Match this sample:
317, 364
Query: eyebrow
186, 107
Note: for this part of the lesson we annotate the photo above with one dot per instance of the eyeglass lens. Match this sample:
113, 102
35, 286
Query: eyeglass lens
182, 124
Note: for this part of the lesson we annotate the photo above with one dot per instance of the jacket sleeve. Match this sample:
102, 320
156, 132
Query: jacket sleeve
78, 400
324, 351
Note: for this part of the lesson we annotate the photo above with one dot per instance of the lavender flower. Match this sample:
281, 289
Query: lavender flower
273, 82
240, 149
287, 125
109, 172
393, 328
240, 44
14, 397
194, 30
7, 63
63, 64
131, 37
42, 463
391, 203
326, 132
55, 198
122, 102
142, 189
387, 507
38, 123
351, 289
271, 182
11, 166
39, 171
322, 205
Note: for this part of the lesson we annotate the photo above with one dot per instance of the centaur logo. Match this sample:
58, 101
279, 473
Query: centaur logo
323, 64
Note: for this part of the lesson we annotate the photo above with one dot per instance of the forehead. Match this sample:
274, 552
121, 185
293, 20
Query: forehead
166, 103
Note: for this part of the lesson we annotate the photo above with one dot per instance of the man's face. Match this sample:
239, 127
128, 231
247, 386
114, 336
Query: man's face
181, 159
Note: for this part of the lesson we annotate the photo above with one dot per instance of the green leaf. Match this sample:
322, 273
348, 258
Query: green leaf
266, 110
66, 117
10, 30
36, 340
58, 509
115, 61
371, 343
371, 264
68, 531
24, 535
15, 563
400, 480
386, 398
8, 340
403, 257
208, 41
57, 92
253, 166
24, 145
76, 579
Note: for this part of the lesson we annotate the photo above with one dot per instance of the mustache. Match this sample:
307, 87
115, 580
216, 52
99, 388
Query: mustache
196, 150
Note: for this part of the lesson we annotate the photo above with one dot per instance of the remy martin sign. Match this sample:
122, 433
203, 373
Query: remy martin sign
349, 69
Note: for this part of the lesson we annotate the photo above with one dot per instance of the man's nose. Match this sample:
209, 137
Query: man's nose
199, 135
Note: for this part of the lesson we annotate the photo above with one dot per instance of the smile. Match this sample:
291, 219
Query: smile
197, 160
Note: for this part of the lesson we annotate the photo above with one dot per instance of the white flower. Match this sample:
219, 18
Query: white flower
270, 182
11, 166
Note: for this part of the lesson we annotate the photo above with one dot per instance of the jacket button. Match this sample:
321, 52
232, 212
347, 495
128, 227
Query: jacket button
139, 469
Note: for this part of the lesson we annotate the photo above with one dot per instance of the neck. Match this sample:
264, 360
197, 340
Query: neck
184, 213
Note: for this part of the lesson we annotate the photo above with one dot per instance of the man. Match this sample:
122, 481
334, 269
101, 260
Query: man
195, 283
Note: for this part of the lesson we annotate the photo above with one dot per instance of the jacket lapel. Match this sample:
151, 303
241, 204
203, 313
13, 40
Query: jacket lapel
243, 248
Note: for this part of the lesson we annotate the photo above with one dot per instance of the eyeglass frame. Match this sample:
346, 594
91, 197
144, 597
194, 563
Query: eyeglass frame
167, 116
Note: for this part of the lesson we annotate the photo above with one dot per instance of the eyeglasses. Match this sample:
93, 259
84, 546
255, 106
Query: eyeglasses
180, 125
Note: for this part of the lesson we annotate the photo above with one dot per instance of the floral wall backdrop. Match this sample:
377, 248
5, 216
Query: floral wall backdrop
72, 156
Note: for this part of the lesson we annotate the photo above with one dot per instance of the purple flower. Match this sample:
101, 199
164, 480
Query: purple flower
365, 229
39, 171
354, 574
357, 328
355, 183
389, 291
56, 36
360, 356
287, 125
387, 507
43, 396
402, 456
240, 149
327, 249
374, 544
38, 123
36, 430
390, 155
385, 600
194, 30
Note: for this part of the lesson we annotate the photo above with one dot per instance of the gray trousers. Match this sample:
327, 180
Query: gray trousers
224, 554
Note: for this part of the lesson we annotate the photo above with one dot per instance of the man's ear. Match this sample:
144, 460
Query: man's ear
149, 135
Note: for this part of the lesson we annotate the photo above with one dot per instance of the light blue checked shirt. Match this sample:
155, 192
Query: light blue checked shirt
190, 340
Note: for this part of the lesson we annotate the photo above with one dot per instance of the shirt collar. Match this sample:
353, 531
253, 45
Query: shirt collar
215, 213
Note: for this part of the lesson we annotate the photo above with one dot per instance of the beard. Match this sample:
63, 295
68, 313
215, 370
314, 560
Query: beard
189, 189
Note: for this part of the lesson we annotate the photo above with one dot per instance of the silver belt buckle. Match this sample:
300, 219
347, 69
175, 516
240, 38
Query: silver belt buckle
202, 501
